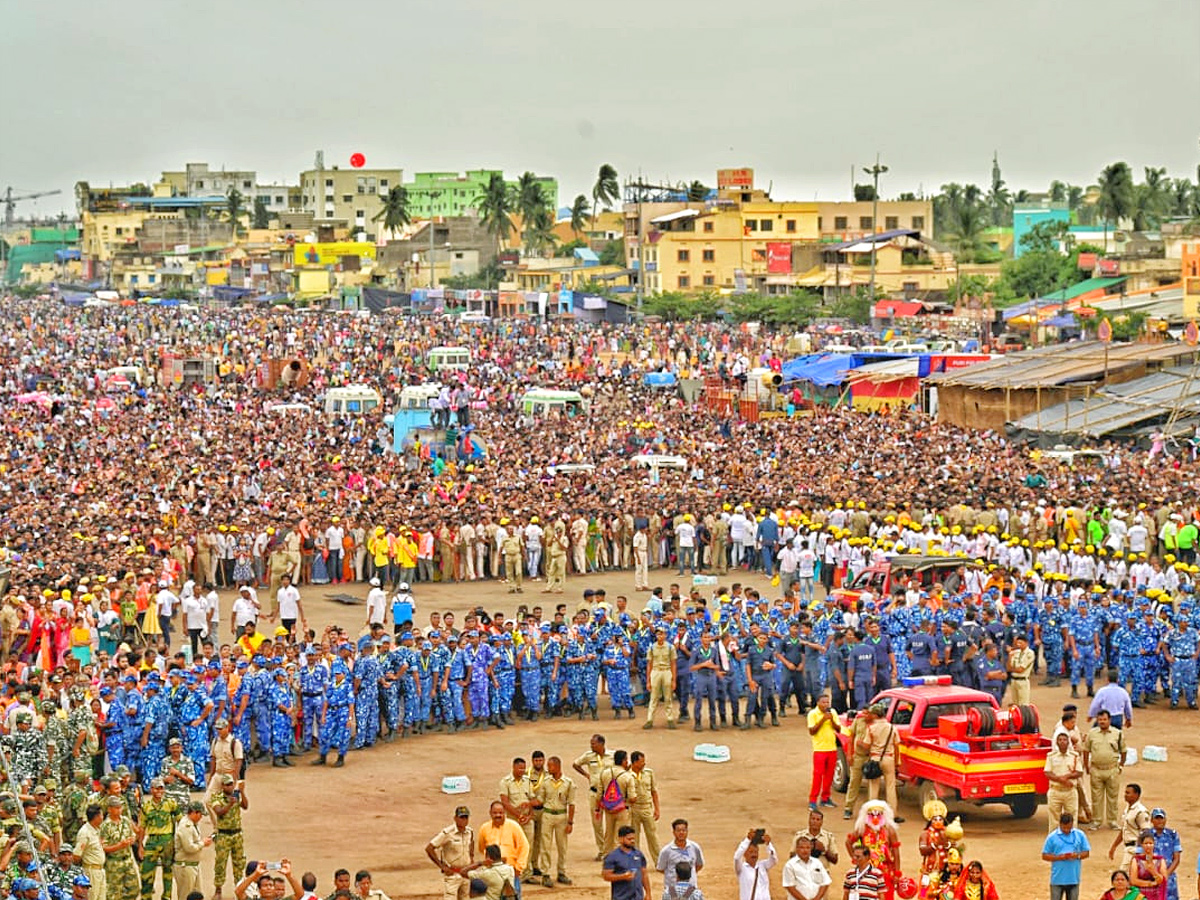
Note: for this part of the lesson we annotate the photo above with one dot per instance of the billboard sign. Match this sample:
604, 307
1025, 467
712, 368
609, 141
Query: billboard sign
779, 257
330, 253
735, 179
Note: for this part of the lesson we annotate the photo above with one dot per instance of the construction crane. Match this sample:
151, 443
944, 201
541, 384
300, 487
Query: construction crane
10, 201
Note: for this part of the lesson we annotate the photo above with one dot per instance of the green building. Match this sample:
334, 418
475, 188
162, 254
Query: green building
452, 194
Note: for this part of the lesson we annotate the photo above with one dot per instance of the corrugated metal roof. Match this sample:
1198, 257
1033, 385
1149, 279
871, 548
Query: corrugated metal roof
1060, 364
1121, 406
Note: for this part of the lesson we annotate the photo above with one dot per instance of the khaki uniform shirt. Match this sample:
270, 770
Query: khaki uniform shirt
661, 656
89, 847
454, 846
1105, 748
556, 796
516, 790
647, 784
1134, 821
625, 781
188, 841
593, 763
224, 760
1022, 663
1062, 764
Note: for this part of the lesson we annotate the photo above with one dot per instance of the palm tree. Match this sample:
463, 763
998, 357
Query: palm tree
1151, 199
696, 192
531, 199
605, 191
964, 231
539, 233
579, 213
1116, 195
495, 207
1058, 191
394, 211
235, 208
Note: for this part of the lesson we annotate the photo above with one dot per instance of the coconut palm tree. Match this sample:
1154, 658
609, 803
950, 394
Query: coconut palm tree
605, 191
495, 205
539, 232
235, 208
964, 231
579, 214
696, 192
394, 212
1116, 195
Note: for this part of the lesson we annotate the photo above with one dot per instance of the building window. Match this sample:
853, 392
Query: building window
247, 185
751, 225
708, 226
346, 198
766, 225
152, 278
278, 200
839, 223
910, 287
359, 214
362, 188
709, 281
383, 182
328, 182
864, 222
133, 279
684, 281
200, 184
709, 255
758, 255
918, 222
791, 225
891, 222
683, 256
120, 231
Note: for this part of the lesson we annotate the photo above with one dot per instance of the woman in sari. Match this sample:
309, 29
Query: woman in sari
1121, 888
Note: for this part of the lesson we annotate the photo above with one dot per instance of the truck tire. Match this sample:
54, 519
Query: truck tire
926, 792
1029, 720
841, 773
1023, 806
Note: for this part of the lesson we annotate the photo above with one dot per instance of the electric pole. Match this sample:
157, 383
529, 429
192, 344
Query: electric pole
875, 171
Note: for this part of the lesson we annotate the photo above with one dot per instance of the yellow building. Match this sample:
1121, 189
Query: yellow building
850, 220
565, 274
729, 245
352, 195
104, 234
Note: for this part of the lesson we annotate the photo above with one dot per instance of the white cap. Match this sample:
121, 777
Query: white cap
375, 582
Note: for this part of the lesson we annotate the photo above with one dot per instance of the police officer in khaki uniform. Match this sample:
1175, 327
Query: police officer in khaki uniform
536, 775
557, 795
516, 796
1103, 757
1020, 666
589, 766
511, 548
660, 676
189, 843
645, 811
1134, 820
452, 850
618, 771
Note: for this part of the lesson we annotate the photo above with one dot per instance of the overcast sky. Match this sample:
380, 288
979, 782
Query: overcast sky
119, 90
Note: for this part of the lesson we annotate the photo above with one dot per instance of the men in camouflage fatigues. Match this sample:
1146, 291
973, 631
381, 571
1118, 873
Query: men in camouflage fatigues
118, 837
58, 744
74, 806
63, 871
227, 814
27, 751
159, 815
82, 731
178, 772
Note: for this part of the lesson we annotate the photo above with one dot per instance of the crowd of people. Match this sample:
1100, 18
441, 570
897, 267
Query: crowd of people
131, 515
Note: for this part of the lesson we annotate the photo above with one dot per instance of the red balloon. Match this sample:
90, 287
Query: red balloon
357, 160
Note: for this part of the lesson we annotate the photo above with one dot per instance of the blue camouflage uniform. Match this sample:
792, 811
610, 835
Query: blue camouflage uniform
335, 729
157, 714
530, 668
241, 728
366, 700
389, 685
616, 672
459, 680
1126, 647
1084, 629
410, 687
1149, 638
282, 705
553, 672
591, 670
131, 724
481, 658
441, 705
196, 742
314, 679
506, 675
425, 678
1051, 624
1182, 643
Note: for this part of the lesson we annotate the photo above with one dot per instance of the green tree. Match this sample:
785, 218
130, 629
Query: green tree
864, 193
539, 234
964, 231
613, 253
261, 215
1116, 195
969, 287
697, 191
579, 214
605, 191
797, 308
1058, 191
235, 208
568, 249
855, 305
495, 205
999, 199
394, 212
1151, 199
676, 306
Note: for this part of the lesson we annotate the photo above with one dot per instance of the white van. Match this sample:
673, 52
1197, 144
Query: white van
417, 396
354, 399
543, 402
449, 359
132, 374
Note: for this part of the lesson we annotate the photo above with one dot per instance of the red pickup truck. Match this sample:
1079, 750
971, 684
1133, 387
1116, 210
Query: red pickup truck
960, 744
880, 579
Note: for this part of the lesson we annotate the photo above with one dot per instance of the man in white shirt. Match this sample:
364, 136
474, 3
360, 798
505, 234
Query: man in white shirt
287, 600
165, 603
376, 604
245, 609
753, 868
334, 535
195, 620
805, 878
212, 609
685, 537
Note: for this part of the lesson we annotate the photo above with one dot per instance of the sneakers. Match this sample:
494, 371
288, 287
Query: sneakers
829, 803
647, 726
563, 879
846, 814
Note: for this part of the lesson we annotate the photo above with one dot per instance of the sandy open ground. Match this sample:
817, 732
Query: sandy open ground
380, 810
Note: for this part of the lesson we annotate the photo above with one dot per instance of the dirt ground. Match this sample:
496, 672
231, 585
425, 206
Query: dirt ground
380, 810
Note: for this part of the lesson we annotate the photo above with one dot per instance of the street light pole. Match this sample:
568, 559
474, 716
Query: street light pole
875, 171
432, 196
